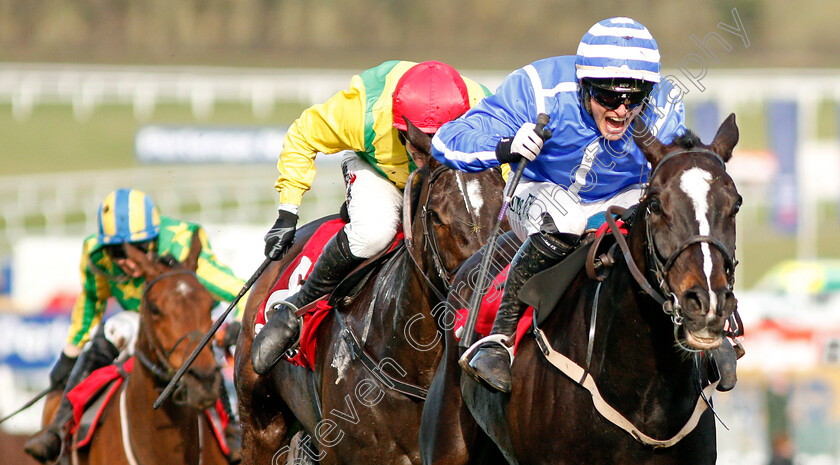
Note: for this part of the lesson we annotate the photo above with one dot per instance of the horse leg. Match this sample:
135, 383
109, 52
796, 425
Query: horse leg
449, 435
264, 424
211, 450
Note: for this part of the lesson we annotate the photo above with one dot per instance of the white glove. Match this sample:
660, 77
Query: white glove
527, 143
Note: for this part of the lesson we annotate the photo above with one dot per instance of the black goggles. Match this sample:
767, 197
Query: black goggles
611, 99
117, 251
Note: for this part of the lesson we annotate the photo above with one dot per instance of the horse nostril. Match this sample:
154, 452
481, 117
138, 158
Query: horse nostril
695, 301
727, 304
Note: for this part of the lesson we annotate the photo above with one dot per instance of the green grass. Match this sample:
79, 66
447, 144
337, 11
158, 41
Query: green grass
52, 139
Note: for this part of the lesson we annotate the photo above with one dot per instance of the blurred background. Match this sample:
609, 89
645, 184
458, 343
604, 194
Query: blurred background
189, 101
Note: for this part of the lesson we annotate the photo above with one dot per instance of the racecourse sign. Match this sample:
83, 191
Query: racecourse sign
208, 144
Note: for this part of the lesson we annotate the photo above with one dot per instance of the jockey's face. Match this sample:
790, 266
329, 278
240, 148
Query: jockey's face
612, 123
129, 266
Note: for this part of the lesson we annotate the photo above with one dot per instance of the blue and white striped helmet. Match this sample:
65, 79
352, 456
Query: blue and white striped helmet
619, 48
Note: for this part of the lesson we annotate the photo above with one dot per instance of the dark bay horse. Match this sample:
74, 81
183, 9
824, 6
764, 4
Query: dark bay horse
621, 384
174, 314
347, 413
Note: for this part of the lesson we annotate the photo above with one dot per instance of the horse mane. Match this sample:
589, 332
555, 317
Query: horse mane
689, 140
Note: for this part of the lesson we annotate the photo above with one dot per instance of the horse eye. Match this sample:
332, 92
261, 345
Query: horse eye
435, 217
737, 207
655, 207
155, 310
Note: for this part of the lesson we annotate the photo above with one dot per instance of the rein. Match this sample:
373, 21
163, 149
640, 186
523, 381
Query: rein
430, 239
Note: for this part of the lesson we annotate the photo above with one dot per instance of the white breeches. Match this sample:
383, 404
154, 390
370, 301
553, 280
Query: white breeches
374, 205
533, 202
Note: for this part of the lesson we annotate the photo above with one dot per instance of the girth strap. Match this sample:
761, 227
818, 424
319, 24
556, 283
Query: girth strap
578, 375
407, 389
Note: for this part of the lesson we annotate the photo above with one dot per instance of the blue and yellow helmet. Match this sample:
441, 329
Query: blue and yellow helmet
127, 215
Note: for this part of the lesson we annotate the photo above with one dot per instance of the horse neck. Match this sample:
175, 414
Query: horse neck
640, 364
168, 429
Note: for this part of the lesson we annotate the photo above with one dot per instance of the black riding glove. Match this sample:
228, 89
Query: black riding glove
281, 236
61, 370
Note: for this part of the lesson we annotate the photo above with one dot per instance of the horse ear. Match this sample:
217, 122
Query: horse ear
147, 266
726, 138
195, 250
651, 147
423, 143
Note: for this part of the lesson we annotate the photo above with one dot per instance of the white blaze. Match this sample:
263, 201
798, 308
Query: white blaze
696, 184
474, 192
471, 191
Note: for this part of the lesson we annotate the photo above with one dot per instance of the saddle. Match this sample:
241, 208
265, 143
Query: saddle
544, 290
316, 312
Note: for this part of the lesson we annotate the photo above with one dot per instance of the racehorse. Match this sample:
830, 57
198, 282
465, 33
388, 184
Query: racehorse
174, 314
362, 403
614, 373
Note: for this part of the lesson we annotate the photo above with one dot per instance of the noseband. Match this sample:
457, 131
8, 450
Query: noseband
162, 370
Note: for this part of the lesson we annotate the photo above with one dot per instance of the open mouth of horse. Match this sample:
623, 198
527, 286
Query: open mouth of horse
703, 340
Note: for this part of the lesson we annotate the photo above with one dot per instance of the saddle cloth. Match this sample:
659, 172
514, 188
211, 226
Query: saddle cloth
91, 396
290, 281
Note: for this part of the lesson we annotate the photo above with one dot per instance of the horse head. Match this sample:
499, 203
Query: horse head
174, 315
453, 211
687, 215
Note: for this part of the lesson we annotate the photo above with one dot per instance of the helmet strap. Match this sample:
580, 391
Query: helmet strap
585, 98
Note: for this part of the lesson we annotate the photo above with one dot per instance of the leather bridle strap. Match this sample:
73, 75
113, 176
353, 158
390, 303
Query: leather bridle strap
638, 276
577, 374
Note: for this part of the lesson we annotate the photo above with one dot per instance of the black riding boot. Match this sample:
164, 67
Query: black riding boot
282, 327
725, 359
491, 362
46, 445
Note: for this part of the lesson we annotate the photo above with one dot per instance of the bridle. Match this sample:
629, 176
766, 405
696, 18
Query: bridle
661, 267
162, 370
670, 306
430, 238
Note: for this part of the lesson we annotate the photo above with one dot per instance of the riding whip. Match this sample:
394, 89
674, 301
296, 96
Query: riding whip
28, 404
490, 248
186, 365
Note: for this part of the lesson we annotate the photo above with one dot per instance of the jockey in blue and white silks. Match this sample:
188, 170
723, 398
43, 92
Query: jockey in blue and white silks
587, 162
551, 86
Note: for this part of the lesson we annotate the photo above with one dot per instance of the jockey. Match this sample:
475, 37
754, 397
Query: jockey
126, 216
588, 163
367, 121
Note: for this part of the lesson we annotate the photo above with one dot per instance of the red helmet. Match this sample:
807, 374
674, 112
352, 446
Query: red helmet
429, 94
